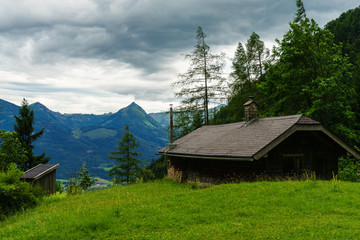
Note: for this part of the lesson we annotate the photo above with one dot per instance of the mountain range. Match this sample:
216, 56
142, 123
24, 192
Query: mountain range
75, 139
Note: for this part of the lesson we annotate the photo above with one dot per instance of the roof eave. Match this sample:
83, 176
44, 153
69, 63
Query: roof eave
47, 171
343, 144
246, 159
42, 173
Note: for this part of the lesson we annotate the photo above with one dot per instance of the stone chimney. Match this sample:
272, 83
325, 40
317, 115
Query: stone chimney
250, 109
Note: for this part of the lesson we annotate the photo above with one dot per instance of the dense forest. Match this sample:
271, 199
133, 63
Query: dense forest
311, 70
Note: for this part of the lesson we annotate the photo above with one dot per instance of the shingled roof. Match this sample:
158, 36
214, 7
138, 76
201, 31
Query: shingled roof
245, 140
39, 171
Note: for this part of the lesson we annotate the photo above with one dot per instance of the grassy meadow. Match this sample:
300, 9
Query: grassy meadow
168, 210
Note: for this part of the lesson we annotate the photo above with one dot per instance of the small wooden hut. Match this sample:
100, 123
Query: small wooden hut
43, 175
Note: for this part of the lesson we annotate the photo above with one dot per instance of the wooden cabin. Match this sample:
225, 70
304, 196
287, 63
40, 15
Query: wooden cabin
276, 146
43, 175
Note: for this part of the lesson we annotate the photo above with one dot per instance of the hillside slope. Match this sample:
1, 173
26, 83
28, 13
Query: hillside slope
346, 30
168, 210
74, 139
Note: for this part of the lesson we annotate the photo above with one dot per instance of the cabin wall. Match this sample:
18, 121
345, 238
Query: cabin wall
212, 171
177, 169
46, 182
306, 152
301, 153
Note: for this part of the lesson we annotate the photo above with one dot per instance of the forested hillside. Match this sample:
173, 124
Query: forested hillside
346, 30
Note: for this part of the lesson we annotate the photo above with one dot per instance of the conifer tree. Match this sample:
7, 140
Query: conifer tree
301, 13
203, 80
128, 168
84, 178
241, 68
258, 55
249, 63
24, 128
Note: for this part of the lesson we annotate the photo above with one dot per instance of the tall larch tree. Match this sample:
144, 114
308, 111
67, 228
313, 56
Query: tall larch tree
24, 128
203, 81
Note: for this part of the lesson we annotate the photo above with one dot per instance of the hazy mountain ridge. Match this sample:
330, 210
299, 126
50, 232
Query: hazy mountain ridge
74, 139
162, 118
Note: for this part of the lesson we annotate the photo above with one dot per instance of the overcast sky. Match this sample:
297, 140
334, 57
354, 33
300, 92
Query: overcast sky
97, 56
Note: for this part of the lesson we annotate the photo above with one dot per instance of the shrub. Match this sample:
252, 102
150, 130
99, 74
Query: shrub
74, 186
81, 181
156, 170
15, 194
159, 167
348, 169
85, 179
73, 189
59, 187
10, 150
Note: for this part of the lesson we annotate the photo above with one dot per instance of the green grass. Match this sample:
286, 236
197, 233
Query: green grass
100, 133
168, 210
77, 133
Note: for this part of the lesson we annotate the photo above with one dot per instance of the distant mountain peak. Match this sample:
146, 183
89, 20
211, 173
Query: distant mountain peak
39, 106
134, 104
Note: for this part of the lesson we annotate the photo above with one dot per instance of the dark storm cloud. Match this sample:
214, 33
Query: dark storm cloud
138, 31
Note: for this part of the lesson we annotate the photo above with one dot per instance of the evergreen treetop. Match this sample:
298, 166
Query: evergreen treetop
24, 128
128, 168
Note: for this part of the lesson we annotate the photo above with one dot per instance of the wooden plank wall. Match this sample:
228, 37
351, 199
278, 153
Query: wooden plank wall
48, 182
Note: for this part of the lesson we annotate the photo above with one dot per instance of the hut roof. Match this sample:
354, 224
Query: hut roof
39, 171
245, 140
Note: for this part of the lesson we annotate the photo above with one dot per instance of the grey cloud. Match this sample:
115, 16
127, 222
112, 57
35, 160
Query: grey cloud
122, 29
145, 93
42, 88
114, 29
